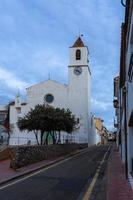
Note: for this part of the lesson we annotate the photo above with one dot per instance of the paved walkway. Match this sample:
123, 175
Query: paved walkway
118, 187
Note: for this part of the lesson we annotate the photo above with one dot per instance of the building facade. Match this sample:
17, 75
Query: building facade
75, 96
3, 131
124, 100
101, 131
116, 106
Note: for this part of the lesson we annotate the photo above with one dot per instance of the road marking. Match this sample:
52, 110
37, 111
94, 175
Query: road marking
42, 170
91, 186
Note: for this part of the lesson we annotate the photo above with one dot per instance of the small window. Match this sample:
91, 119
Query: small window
18, 110
49, 98
78, 54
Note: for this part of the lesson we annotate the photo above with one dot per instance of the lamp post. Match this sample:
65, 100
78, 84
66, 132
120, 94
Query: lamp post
116, 103
122, 3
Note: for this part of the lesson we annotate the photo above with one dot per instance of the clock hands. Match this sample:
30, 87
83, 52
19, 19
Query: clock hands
78, 70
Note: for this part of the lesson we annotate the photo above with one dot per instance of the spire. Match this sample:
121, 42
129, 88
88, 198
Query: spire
49, 76
18, 93
78, 43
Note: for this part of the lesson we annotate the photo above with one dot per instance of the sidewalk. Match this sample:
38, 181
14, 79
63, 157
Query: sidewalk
118, 187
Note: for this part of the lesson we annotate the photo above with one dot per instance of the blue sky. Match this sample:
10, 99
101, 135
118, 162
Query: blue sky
34, 40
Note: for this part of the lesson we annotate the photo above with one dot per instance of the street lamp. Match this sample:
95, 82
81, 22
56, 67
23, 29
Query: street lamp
122, 3
116, 103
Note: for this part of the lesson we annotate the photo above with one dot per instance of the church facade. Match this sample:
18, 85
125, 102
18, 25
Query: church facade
76, 96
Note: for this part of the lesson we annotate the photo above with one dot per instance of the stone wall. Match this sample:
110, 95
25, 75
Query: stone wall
25, 155
4, 154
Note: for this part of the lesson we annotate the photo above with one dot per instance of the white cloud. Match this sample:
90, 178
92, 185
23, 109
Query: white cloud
100, 105
10, 80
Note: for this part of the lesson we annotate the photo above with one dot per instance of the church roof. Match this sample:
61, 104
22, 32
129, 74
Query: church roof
48, 81
78, 43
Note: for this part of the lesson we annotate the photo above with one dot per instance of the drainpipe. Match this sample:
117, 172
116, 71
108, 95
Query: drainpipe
125, 128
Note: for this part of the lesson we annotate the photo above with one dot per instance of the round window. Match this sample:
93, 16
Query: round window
49, 98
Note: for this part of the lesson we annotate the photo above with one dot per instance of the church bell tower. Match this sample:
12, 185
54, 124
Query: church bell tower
78, 62
78, 53
79, 76
79, 86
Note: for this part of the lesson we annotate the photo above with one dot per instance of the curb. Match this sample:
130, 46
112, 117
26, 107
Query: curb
2, 183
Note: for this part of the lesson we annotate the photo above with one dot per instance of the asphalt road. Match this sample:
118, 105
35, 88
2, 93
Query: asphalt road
64, 181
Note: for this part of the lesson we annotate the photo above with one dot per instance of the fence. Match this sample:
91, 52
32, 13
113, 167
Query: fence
32, 140
22, 141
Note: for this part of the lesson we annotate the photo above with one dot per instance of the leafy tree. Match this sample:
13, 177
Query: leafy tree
48, 121
7, 121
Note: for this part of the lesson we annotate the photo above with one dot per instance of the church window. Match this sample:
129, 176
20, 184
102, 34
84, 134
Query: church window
18, 109
78, 54
49, 98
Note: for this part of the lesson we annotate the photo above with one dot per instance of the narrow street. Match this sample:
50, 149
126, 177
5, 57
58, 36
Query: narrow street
67, 180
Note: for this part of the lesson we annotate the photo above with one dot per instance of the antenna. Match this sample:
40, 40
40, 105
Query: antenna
79, 32
18, 93
49, 76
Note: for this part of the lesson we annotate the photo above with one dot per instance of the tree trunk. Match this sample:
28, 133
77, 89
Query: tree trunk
42, 133
8, 138
46, 139
53, 135
36, 135
59, 140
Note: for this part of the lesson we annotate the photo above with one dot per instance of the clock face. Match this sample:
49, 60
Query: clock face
77, 70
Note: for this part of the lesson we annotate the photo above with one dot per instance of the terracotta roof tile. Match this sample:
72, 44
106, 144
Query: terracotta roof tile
78, 43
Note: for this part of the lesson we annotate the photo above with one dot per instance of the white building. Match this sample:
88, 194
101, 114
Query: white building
3, 132
75, 96
123, 101
129, 91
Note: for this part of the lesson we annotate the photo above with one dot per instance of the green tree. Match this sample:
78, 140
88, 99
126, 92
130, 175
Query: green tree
48, 121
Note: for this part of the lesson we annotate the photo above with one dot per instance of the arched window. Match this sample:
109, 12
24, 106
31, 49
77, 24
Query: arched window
78, 54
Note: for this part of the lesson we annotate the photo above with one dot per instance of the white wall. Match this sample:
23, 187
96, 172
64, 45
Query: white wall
84, 56
129, 87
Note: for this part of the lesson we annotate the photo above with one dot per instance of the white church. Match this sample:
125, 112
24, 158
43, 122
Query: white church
76, 96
